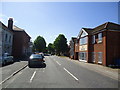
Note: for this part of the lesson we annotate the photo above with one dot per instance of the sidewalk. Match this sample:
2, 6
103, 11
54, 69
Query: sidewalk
112, 73
10, 69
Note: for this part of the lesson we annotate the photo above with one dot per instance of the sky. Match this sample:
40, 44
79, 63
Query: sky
49, 19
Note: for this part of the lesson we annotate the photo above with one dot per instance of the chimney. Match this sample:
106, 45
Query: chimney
10, 23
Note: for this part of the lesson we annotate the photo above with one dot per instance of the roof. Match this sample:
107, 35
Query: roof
108, 26
17, 29
5, 27
73, 39
105, 26
88, 30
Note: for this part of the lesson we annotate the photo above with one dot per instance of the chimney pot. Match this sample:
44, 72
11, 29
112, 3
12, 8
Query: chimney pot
10, 23
10, 18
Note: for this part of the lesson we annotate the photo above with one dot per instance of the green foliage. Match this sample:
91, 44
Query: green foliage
50, 48
60, 44
40, 44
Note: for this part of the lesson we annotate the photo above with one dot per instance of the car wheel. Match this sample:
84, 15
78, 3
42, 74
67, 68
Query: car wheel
44, 65
29, 64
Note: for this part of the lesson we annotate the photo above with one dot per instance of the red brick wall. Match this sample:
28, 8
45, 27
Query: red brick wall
113, 46
90, 48
97, 47
77, 47
110, 47
20, 41
17, 43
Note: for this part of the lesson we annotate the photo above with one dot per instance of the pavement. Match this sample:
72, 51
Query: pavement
59, 73
107, 71
11, 68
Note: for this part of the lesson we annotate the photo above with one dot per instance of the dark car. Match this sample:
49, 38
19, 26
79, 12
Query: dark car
35, 60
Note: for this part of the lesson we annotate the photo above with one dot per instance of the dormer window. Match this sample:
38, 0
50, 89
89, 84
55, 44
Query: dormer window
99, 37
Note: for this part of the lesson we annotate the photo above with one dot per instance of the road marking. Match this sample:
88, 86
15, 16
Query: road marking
58, 63
32, 76
13, 74
70, 74
13, 79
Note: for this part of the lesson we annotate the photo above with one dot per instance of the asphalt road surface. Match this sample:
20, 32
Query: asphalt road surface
59, 73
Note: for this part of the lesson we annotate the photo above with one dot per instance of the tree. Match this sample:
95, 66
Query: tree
60, 44
50, 48
40, 44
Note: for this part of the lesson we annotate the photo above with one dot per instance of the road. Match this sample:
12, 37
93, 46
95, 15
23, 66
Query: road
59, 73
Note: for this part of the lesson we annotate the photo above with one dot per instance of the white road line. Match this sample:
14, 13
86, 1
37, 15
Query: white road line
32, 76
58, 63
13, 74
13, 80
70, 74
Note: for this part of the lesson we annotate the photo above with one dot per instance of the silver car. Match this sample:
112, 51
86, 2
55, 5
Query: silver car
6, 58
36, 59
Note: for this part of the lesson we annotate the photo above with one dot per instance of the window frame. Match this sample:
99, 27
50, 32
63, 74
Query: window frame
10, 39
93, 39
100, 57
83, 40
100, 39
83, 56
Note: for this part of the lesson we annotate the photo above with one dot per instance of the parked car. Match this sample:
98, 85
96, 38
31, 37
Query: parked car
0, 61
6, 59
42, 54
36, 59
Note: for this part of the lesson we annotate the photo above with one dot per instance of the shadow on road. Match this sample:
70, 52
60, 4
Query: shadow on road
39, 66
7, 64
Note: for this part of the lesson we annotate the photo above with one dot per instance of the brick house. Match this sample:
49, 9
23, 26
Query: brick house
100, 45
105, 44
21, 43
76, 50
83, 38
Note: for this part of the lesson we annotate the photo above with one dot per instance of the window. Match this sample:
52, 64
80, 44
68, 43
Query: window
99, 37
93, 39
6, 37
99, 57
9, 39
83, 41
83, 55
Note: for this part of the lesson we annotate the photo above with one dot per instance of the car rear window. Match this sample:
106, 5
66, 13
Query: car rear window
36, 56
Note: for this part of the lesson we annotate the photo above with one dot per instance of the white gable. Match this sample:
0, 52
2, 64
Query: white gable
82, 33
